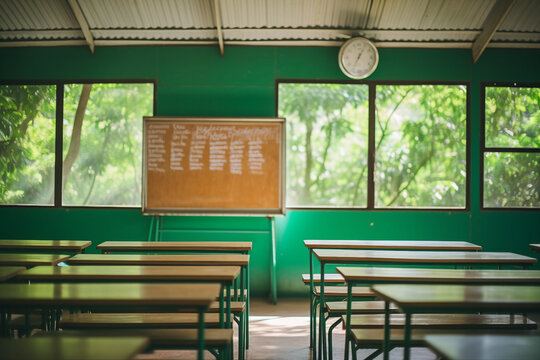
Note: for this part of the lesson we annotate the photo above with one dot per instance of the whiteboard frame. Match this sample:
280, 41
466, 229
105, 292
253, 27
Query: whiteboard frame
185, 211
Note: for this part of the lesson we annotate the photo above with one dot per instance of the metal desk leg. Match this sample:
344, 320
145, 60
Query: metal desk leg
407, 347
322, 322
386, 343
348, 321
247, 306
312, 315
221, 309
200, 350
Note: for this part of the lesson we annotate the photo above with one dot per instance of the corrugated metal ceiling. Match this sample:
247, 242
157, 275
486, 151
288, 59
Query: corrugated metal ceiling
326, 22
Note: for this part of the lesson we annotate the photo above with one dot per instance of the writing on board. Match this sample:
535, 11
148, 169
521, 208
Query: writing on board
233, 149
213, 166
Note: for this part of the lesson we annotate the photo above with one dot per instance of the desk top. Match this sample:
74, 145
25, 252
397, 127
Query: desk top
392, 245
381, 274
31, 259
131, 272
422, 257
71, 348
175, 246
535, 247
109, 294
7, 272
485, 347
67, 245
173, 259
433, 298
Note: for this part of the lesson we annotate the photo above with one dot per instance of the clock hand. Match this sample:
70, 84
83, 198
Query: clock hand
359, 56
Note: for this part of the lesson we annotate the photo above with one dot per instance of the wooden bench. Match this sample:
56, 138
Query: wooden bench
330, 278
368, 330
373, 338
18, 323
445, 321
357, 291
338, 308
160, 338
135, 320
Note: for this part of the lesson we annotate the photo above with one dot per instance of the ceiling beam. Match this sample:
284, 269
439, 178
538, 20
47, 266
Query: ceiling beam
491, 24
218, 26
296, 43
82, 23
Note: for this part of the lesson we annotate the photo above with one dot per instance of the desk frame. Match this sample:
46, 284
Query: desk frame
322, 321
375, 245
448, 309
420, 280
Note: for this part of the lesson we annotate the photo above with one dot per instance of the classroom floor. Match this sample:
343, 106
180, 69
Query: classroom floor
281, 332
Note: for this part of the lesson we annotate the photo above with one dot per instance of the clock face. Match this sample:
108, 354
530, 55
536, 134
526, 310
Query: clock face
358, 58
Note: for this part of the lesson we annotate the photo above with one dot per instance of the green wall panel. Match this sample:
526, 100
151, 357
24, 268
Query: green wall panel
78, 63
202, 65
215, 101
197, 81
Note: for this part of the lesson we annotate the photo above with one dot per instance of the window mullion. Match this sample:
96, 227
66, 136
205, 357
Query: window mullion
58, 161
371, 149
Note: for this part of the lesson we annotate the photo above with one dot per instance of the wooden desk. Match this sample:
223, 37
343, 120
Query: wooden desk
352, 256
70, 246
392, 245
242, 247
29, 260
535, 247
131, 273
70, 348
208, 246
485, 347
423, 257
425, 299
7, 272
225, 275
241, 260
93, 296
164, 259
375, 275
375, 244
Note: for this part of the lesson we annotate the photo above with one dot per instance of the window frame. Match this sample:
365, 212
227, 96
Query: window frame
484, 149
372, 84
59, 136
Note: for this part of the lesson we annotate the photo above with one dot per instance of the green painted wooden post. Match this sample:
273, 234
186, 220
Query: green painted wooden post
273, 277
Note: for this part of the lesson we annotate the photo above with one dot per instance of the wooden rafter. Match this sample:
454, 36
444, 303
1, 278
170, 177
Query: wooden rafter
491, 24
82, 23
218, 26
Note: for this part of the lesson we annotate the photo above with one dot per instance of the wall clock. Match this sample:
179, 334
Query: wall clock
358, 58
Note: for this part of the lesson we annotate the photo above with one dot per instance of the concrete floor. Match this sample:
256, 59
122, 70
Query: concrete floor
281, 332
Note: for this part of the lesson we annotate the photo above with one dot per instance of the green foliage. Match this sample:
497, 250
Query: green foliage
326, 143
27, 115
108, 168
513, 117
512, 121
420, 145
511, 179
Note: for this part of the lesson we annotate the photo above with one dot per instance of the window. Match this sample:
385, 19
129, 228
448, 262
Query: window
511, 146
27, 140
99, 142
420, 146
327, 143
417, 138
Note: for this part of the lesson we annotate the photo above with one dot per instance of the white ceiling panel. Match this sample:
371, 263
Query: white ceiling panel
435, 23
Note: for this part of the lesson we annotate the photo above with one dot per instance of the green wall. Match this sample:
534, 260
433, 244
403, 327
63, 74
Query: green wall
196, 81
